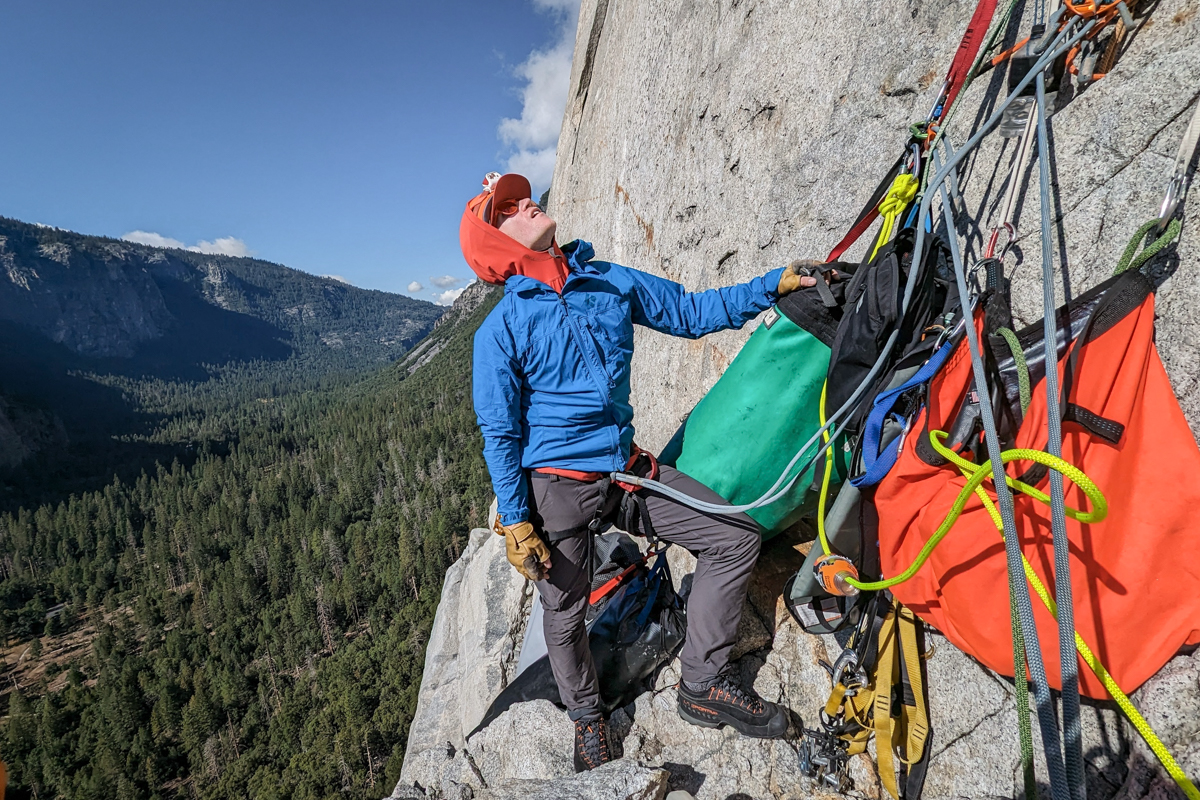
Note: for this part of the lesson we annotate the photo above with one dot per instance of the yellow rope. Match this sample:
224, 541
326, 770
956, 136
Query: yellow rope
901, 193
980, 473
825, 479
1085, 652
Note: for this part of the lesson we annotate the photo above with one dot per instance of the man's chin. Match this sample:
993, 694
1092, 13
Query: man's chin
546, 239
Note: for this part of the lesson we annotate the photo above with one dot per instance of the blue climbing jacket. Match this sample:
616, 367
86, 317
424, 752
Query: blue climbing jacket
551, 372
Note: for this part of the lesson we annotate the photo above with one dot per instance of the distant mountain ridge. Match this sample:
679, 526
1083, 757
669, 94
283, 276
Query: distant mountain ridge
104, 298
104, 342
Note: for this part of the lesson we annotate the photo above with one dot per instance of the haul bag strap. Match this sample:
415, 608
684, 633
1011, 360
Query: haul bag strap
878, 463
1104, 428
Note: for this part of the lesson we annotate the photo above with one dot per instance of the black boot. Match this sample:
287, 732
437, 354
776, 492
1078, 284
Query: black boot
591, 744
725, 702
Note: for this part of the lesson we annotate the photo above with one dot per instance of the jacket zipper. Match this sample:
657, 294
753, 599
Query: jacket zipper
590, 358
588, 353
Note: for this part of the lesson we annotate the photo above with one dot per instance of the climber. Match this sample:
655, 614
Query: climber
552, 396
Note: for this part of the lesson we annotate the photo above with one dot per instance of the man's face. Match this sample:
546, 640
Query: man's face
528, 224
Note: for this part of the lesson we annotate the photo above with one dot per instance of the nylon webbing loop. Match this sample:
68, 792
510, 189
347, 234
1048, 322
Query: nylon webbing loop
876, 461
964, 58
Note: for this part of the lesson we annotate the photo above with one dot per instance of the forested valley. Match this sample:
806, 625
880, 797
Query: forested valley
249, 620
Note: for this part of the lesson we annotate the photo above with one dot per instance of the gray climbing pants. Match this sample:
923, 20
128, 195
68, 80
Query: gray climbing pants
726, 548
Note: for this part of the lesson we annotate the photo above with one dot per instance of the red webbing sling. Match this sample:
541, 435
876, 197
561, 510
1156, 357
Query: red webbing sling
968, 48
869, 213
964, 57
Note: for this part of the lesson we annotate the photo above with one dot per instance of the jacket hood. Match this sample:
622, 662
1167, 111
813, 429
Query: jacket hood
496, 257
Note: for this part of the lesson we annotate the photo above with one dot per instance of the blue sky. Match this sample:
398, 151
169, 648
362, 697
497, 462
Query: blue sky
338, 138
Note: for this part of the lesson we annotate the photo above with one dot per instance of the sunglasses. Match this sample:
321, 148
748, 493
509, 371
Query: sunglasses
507, 208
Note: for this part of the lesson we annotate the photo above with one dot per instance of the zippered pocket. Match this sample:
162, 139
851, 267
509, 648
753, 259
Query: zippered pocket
598, 351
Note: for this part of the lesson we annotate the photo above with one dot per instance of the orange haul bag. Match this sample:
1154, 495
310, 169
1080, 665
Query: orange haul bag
1134, 573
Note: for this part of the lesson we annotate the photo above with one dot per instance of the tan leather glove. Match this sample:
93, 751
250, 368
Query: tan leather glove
792, 279
526, 550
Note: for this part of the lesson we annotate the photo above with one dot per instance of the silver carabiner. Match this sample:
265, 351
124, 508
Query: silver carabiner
1170, 203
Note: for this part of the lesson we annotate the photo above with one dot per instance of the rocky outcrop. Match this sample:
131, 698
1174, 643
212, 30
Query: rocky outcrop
711, 141
92, 302
474, 648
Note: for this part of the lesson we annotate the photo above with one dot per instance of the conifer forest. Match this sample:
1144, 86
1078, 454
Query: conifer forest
245, 613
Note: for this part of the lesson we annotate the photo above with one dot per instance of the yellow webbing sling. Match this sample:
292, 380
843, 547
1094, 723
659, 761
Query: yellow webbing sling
871, 707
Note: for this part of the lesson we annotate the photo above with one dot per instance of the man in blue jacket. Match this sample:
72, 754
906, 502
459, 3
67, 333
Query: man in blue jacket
551, 392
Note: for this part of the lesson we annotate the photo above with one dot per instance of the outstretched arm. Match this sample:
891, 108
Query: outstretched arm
667, 307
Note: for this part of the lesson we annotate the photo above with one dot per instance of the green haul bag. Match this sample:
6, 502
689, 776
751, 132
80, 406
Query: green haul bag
742, 434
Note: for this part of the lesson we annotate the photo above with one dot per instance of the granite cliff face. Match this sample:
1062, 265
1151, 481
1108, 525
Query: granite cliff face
712, 141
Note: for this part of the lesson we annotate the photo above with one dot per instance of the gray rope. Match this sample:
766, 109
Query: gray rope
1062, 42
1012, 547
1069, 666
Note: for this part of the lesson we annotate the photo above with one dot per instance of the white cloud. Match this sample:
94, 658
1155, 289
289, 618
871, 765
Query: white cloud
224, 246
414, 287
153, 239
447, 297
547, 76
539, 163
338, 278
446, 281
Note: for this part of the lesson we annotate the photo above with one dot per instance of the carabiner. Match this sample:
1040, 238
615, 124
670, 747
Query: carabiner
1170, 203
